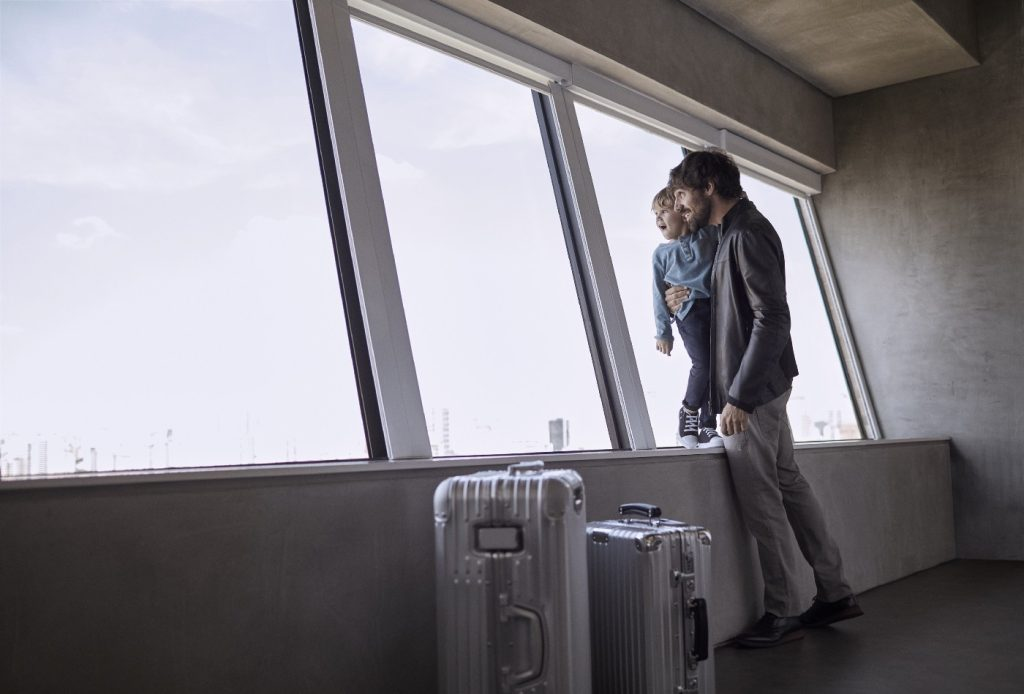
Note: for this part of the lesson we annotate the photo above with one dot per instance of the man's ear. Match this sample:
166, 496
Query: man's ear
709, 189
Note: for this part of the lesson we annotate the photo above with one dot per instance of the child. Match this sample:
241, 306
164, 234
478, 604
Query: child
686, 260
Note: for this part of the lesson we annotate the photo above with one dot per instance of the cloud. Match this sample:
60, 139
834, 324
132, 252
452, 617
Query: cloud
132, 108
92, 230
399, 58
392, 171
250, 14
499, 118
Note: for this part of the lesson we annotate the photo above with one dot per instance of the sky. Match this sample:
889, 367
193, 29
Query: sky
168, 293
495, 324
165, 259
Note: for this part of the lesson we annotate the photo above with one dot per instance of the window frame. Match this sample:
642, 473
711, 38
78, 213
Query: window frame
849, 357
561, 85
391, 404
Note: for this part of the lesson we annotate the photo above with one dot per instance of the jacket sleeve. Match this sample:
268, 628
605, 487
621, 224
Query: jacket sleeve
662, 317
759, 258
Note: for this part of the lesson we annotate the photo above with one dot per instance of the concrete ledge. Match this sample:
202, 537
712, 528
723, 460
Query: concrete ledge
326, 582
395, 469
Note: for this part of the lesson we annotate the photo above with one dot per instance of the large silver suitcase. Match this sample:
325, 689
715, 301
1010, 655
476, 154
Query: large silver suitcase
512, 582
649, 581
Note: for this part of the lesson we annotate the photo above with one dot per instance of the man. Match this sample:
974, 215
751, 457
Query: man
751, 378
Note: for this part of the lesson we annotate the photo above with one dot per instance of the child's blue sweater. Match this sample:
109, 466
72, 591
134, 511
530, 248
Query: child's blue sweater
684, 262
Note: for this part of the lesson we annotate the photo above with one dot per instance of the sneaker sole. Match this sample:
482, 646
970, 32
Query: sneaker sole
788, 638
712, 444
848, 613
684, 443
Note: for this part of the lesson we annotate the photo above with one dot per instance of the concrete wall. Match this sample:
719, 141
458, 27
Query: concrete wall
325, 583
956, 17
672, 52
925, 223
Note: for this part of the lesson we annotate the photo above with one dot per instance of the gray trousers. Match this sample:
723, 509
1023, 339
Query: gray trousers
773, 497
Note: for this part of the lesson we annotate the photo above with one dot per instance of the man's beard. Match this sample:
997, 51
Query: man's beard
700, 215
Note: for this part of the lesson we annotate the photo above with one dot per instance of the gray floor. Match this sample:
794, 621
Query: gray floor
955, 628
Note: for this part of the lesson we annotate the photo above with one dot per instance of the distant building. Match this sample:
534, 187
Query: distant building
558, 434
44, 457
439, 429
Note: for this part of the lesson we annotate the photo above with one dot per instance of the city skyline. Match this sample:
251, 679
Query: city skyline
158, 451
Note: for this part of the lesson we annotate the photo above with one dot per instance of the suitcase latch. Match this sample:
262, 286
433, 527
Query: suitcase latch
648, 543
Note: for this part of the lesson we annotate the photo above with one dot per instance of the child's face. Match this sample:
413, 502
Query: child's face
669, 222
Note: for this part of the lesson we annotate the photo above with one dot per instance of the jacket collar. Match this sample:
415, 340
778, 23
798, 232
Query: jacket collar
741, 206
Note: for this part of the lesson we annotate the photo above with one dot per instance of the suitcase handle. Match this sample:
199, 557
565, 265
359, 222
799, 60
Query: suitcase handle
526, 468
699, 606
649, 511
535, 629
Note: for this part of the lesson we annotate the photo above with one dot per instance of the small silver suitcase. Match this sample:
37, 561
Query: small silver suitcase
512, 582
649, 581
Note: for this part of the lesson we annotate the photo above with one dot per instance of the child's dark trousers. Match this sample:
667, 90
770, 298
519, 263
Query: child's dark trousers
695, 329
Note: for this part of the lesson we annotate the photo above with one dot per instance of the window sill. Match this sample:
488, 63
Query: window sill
406, 468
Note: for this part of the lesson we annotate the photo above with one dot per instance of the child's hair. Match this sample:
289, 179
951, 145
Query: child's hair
662, 200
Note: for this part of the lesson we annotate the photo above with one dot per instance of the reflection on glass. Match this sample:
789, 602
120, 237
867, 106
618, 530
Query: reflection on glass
629, 165
495, 325
168, 285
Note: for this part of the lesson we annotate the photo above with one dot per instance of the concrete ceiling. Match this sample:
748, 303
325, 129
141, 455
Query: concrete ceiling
849, 46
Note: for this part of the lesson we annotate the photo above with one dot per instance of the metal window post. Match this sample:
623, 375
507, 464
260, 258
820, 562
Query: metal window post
843, 335
373, 262
358, 345
615, 363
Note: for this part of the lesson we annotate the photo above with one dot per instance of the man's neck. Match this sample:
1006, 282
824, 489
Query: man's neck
720, 207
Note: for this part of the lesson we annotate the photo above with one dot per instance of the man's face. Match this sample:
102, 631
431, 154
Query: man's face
694, 205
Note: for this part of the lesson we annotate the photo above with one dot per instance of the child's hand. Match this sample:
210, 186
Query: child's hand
664, 346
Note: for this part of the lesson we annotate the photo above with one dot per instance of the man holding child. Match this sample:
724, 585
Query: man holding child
752, 371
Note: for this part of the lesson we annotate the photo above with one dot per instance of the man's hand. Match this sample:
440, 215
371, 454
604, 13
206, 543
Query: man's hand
675, 296
664, 346
734, 420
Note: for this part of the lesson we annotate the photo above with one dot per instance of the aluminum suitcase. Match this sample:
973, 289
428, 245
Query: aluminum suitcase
649, 581
512, 582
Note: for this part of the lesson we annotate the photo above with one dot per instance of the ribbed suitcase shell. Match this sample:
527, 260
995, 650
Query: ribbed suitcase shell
512, 582
646, 579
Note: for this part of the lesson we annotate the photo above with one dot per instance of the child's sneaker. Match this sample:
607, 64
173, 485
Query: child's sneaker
709, 438
689, 429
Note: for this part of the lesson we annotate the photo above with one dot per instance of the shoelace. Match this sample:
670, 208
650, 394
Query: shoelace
709, 432
691, 422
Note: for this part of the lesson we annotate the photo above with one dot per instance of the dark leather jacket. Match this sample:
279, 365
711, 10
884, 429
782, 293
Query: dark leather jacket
750, 343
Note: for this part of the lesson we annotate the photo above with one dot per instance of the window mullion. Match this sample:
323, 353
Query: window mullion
390, 352
617, 429
359, 347
625, 401
837, 317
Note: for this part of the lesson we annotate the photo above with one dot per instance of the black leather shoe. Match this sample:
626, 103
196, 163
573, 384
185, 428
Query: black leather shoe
771, 631
821, 613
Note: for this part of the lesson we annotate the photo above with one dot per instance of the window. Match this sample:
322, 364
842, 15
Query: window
496, 328
629, 166
169, 292
820, 407
170, 296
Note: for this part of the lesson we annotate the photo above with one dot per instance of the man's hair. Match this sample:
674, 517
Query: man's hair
662, 200
698, 169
